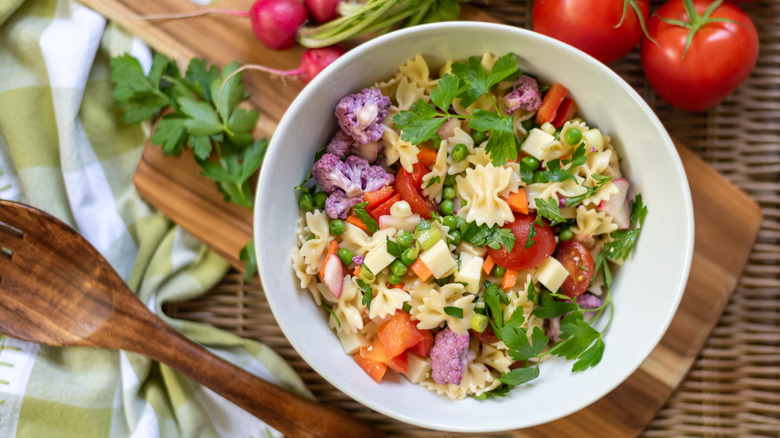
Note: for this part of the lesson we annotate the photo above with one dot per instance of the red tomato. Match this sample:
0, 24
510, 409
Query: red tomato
522, 257
408, 186
579, 262
720, 57
487, 336
593, 26
384, 208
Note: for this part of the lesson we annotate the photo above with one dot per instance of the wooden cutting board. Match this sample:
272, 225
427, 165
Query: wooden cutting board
726, 219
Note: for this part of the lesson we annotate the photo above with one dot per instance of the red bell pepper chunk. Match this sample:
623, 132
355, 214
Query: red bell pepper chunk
550, 103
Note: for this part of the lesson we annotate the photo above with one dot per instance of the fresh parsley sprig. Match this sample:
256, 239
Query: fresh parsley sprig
624, 240
467, 82
198, 110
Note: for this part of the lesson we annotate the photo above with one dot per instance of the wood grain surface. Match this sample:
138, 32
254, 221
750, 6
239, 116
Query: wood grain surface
726, 219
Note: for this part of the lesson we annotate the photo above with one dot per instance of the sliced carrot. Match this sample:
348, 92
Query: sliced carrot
333, 248
427, 157
421, 269
518, 202
510, 278
376, 370
550, 103
487, 265
376, 198
354, 220
356, 272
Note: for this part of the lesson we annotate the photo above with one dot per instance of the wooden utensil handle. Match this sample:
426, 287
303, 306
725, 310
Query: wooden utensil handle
289, 413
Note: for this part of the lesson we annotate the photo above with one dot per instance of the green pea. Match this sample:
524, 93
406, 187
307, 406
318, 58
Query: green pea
478, 137
310, 236
498, 271
539, 178
460, 152
409, 256
573, 136
448, 193
557, 134
398, 268
345, 255
319, 199
451, 222
566, 234
447, 206
454, 237
395, 279
306, 202
449, 180
337, 227
530, 161
404, 238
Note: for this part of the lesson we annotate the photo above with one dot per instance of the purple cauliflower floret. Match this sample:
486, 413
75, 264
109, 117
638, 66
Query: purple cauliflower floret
360, 115
376, 177
589, 301
331, 174
346, 181
552, 328
343, 145
337, 205
449, 356
524, 95
358, 259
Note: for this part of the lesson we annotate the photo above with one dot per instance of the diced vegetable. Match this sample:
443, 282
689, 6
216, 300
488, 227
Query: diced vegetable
427, 157
510, 278
375, 370
428, 237
399, 334
421, 269
378, 352
479, 322
487, 266
354, 220
384, 208
423, 348
377, 197
518, 202
550, 103
565, 112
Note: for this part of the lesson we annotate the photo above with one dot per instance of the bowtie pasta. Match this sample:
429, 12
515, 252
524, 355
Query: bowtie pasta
460, 227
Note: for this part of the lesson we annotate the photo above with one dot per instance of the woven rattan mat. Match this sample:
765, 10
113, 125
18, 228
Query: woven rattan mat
733, 388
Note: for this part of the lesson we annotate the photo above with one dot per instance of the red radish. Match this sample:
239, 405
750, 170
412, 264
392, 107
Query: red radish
313, 62
275, 23
323, 10
333, 275
617, 204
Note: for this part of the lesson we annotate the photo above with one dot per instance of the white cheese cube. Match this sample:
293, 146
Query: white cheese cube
551, 274
352, 342
439, 260
536, 143
378, 259
419, 368
470, 271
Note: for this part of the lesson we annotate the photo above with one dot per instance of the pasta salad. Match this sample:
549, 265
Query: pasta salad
461, 228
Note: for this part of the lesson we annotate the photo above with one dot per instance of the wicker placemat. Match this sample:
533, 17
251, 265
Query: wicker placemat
733, 388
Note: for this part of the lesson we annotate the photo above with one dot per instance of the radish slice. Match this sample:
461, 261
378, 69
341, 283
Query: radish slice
617, 204
333, 275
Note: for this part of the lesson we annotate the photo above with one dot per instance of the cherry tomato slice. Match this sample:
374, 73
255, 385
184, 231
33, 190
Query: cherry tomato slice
521, 257
487, 336
408, 186
579, 262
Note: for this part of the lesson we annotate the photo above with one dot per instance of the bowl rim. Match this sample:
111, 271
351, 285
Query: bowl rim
357, 52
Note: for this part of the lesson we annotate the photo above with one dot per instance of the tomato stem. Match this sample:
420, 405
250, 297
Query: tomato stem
696, 21
639, 16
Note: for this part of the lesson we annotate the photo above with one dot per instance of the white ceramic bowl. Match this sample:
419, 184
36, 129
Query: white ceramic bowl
646, 290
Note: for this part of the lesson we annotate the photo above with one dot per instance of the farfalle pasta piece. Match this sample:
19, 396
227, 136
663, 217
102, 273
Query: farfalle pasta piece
431, 302
359, 242
349, 309
313, 249
407, 93
387, 299
494, 358
417, 71
433, 181
556, 190
397, 149
590, 222
299, 267
481, 189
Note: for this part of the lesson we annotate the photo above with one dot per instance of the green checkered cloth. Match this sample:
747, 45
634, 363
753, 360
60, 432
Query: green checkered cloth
63, 149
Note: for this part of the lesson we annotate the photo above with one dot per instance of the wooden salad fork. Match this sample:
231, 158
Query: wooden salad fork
56, 289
